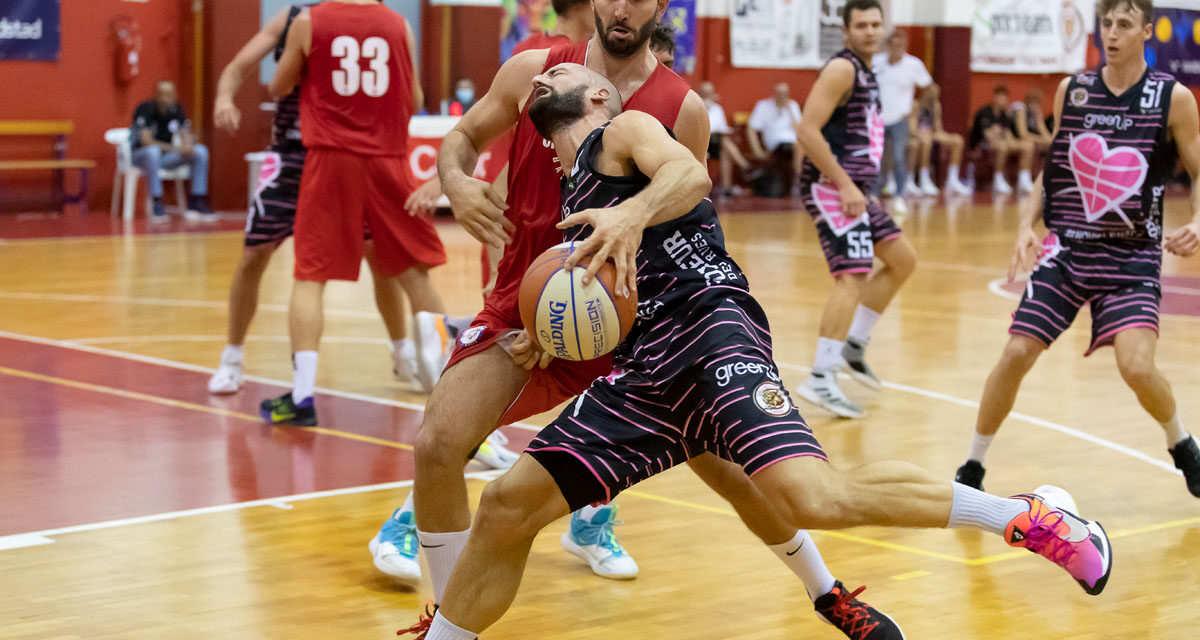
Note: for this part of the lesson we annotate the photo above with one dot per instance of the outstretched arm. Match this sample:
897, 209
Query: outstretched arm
225, 115
677, 183
291, 63
1185, 130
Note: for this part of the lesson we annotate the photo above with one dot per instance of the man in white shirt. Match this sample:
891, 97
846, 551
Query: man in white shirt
720, 146
899, 75
775, 120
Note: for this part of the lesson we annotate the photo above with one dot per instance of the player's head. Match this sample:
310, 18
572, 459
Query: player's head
862, 24
567, 93
662, 44
1125, 26
1000, 97
625, 26
897, 43
165, 94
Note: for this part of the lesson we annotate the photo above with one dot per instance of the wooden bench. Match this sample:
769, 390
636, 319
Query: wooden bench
58, 130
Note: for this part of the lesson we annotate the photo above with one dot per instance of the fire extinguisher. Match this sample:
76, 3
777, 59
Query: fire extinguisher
128, 35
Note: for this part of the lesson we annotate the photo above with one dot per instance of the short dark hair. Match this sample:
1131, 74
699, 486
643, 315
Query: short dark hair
858, 5
1144, 6
663, 38
561, 7
999, 90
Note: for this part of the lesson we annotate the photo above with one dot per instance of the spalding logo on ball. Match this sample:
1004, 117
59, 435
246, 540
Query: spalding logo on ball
569, 320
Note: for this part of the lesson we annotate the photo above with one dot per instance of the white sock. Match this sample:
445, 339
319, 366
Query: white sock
801, 556
232, 354
1175, 431
1023, 177
304, 375
398, 345
441, 552
829, 355
864, 321
408, 503
925, 177
952, 175
979, 510
979, 447
443, 629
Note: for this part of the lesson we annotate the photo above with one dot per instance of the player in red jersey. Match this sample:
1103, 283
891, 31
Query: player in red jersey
485, 365
359, 92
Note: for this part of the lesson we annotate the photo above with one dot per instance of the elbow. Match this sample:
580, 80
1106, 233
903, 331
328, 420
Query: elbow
703, 183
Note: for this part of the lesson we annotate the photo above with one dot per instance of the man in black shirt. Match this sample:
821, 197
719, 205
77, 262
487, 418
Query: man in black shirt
993, 129
162, 139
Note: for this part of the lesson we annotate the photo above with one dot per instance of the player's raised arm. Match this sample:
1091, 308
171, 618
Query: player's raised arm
291, 63
1026, 249
225, 114
476, 205
1185, 131
830, 91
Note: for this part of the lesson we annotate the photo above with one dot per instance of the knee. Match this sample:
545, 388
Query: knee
1136, 369
902, 261
200, 152
1021, 352
850, 283
503, 513
255, 258
439, 446
149, 156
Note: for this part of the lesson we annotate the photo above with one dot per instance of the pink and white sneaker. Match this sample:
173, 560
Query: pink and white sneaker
1051, 530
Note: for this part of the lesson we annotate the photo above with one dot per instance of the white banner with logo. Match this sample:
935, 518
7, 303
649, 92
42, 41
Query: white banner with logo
784, 34
1030, 36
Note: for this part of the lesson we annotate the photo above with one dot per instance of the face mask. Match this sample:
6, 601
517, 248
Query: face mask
464, 95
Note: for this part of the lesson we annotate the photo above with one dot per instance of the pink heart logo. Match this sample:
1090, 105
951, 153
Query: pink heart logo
272, 166
1106, 178
829, 203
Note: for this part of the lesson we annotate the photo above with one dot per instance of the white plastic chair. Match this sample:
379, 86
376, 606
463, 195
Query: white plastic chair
125, 192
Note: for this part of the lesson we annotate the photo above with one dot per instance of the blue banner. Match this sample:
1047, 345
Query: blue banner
1175, 45
681, 15
29, 30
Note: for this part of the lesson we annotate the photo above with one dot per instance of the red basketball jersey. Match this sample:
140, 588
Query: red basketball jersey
540, 40
357, 91
533, 177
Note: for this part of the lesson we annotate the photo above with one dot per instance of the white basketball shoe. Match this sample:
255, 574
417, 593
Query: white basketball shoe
229, 375
594, 542
823, 391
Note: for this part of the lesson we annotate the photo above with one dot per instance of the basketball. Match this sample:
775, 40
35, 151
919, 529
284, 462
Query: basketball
569, 320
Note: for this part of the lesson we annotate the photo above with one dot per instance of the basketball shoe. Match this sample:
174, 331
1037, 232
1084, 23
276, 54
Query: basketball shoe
394, 548
594, 542
855, 355
822, 390
1187, 459
284, 411
855, 618
229, 375
434, 345
494, 454
404, 362
971, 474
1050, 529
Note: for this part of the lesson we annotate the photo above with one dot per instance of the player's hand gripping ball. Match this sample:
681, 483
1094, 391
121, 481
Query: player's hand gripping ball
568, 320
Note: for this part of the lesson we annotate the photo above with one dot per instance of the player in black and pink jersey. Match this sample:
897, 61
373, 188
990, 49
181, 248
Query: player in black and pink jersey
842, 135
1119, 130
696, 376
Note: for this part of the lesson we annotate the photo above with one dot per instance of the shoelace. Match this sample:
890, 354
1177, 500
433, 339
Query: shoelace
421, 628
853, 615
603, 535
1043, 540
405, 538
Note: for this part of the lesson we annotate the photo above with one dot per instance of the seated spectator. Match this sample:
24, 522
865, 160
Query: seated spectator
162, 139
662, 44
925, 122
775, 120
899, 74
464, 97
993, 130
1029, 120
720, 146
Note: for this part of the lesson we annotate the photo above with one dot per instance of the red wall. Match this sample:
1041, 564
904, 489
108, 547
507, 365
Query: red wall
474, 49
80, 86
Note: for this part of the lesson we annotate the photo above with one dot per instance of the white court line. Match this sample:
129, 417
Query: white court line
1045, 424
1087, 437
166, 302
125, 355
46, 536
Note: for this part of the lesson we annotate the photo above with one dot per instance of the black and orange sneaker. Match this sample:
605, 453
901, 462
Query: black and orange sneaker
855, 618
424, 620
1186, 456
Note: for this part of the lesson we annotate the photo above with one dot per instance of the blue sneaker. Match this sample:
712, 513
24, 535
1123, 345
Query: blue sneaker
595, 543
394, 548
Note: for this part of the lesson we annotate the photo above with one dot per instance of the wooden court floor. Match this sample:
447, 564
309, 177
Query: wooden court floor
132, 505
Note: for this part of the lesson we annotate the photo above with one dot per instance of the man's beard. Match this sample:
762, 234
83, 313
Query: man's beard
557, 110
623, 49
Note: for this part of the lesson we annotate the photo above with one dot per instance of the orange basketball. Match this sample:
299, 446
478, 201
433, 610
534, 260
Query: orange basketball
569, 320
